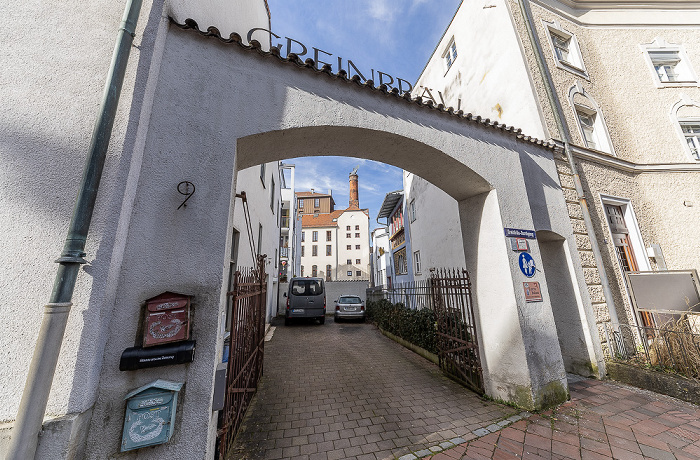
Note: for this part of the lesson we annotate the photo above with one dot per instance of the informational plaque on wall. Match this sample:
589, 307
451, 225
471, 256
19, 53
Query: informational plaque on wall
532, 291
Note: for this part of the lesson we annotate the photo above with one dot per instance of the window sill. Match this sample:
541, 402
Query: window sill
571, 68
676, 84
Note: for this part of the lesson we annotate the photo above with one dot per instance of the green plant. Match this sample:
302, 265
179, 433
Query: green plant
414, 326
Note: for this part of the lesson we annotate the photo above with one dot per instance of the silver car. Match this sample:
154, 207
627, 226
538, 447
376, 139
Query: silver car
349, 307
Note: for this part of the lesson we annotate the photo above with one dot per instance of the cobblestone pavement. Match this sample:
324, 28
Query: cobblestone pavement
343, 390
603, 420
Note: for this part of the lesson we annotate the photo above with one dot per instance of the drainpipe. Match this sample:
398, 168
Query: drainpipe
564, 133
25, 434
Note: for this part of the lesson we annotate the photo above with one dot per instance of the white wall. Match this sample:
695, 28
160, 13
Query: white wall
490, 75
351, 219
436, 231
258, 194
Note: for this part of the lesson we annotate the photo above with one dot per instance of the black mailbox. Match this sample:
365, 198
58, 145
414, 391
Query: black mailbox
164, 355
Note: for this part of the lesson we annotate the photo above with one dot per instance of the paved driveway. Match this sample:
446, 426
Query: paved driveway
343, 390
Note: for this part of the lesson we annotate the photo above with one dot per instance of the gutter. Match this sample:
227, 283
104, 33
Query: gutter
564, 134
28, 423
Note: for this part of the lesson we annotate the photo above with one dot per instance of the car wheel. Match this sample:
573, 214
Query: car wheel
336, 319
322, 320
363, 319
287, 321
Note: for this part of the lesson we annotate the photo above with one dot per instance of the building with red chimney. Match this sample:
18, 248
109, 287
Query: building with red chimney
334, 243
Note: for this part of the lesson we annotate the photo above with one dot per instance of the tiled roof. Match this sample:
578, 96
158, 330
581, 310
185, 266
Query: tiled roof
310, 64
322, 220
307, 194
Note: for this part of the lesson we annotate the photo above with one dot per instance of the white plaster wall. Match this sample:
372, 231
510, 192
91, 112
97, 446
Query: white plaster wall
490, 75
51, 89
258, 196
321, 259
382, 265
436, 232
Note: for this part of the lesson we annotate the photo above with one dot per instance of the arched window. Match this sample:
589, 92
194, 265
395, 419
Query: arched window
590, 121
685, 115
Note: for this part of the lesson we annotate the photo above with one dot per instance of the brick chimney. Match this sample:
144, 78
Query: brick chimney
354, 202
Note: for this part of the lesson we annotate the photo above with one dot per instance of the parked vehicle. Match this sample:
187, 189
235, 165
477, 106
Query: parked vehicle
306, 298
349, 307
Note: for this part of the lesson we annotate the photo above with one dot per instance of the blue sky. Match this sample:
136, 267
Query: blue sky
392, 36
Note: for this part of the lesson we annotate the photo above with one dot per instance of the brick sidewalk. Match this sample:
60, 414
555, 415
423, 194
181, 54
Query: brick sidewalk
603, 420
345, 391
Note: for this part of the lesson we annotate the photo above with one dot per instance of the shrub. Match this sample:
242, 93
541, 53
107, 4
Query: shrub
414, 326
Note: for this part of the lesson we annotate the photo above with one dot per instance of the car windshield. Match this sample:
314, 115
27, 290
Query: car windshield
349, 299
306, 287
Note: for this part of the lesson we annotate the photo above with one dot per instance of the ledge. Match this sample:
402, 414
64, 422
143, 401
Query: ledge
658, 382
432, 357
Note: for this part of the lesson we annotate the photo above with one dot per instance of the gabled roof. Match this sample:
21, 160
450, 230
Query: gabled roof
383, 90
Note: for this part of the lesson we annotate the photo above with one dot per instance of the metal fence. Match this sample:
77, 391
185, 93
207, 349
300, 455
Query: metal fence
245, 360
448, 294
414, 295
675, 347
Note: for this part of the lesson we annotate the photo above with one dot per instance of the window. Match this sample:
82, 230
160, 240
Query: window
272, 195
589, 119
357, 235
328, 273
348, 247
328, 235
314, 271
302, 237
358, 273
412, 210
329, 250
349, 261
260, 233
347, 228
669, 64
314, 236
262, 174
665, 63
317, 202
358, 261
357, 246
314, 250
348, 235
416, 261
565, 50
691, 132
357, 227
301, 203
302, 251
400, 266
349, 272
450, 54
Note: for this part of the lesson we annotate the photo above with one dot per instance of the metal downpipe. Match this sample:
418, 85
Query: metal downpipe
564, 133
25, 433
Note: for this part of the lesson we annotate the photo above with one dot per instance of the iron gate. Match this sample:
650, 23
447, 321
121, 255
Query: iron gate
245, 358
457, 344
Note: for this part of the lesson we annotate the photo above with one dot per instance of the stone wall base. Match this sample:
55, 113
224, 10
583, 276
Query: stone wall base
667, 384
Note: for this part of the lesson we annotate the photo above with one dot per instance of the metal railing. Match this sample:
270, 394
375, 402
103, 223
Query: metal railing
674, 347
414, 295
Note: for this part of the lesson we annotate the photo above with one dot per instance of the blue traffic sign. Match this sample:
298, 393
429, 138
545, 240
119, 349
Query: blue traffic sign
527, 264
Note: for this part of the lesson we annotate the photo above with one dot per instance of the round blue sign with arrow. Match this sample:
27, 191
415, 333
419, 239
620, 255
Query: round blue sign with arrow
527, 264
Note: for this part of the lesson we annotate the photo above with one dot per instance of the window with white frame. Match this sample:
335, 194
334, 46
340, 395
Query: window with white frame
669, 64
686, 115
565, 49
691, 132
590, 121
416, 261
450, 54
413, 210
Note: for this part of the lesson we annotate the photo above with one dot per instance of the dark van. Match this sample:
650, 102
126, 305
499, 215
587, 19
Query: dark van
306, 298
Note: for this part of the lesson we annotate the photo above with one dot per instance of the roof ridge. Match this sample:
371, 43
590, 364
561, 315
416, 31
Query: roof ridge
293, 58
